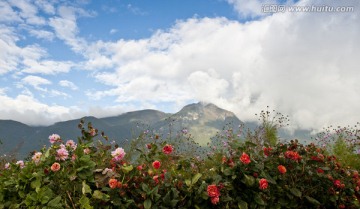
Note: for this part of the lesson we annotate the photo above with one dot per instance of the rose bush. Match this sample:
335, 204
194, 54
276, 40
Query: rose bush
156, 172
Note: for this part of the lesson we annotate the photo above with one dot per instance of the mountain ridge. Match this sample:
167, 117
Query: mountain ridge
202, 120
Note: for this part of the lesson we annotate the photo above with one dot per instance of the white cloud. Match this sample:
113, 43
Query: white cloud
46, 6
251, 8
42, 34
56, 93
46, 66
2, 91
14, 57
8, 15
66, 29
284, 61
68, 84
135, 10
28, 12
302, 64
113, 31
35, 81
26, 109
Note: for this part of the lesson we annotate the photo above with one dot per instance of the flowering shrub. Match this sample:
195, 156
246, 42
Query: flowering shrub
157, 174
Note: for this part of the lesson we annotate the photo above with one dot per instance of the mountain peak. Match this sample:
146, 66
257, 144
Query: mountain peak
203, 110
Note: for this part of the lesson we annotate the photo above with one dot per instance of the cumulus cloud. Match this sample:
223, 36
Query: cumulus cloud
283, 60
35, 81
46, 66
7, 13
46, 6
303, 64
27, 109
65, 27
251, 8
42, 34
28, 12
68, 84
28, 58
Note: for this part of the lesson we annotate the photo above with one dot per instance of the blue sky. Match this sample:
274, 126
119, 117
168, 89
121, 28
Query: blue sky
62, 60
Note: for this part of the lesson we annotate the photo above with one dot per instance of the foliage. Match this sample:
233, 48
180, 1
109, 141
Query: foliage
154, 172
344, 142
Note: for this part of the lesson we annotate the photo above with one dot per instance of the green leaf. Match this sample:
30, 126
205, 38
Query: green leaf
166, 198
85, 188
55, 203
312, 200
325, 168
36, 184
174, 203
196, 178
155, 190
101, 196
145, 188
147, 204
127, 169
227, 172
242, 204
248, 180
85, 203
188, 182
268, 177
295, 192
258, 199
47, 153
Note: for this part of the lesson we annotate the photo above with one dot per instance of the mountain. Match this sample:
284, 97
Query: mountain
202, 120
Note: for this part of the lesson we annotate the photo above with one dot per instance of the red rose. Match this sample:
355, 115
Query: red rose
337, 183
215, 200
355, 174
213, 191
139, 168
245, 158
292, 155
113, 183
263, 184
156, 179
231, 163
282, 169
319, 170
156, 164
267, 151
167, 149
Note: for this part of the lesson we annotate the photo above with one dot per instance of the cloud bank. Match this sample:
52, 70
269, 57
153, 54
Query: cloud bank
303, 64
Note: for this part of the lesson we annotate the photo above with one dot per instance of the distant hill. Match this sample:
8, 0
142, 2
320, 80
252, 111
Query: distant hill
202, 120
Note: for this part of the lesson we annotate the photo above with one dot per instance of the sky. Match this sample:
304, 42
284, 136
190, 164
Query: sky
62, 60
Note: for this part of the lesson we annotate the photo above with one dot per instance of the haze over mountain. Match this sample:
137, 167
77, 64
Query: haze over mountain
202, 120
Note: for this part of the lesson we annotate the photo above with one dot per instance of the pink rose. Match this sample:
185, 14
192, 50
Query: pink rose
55, 167
167, 149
